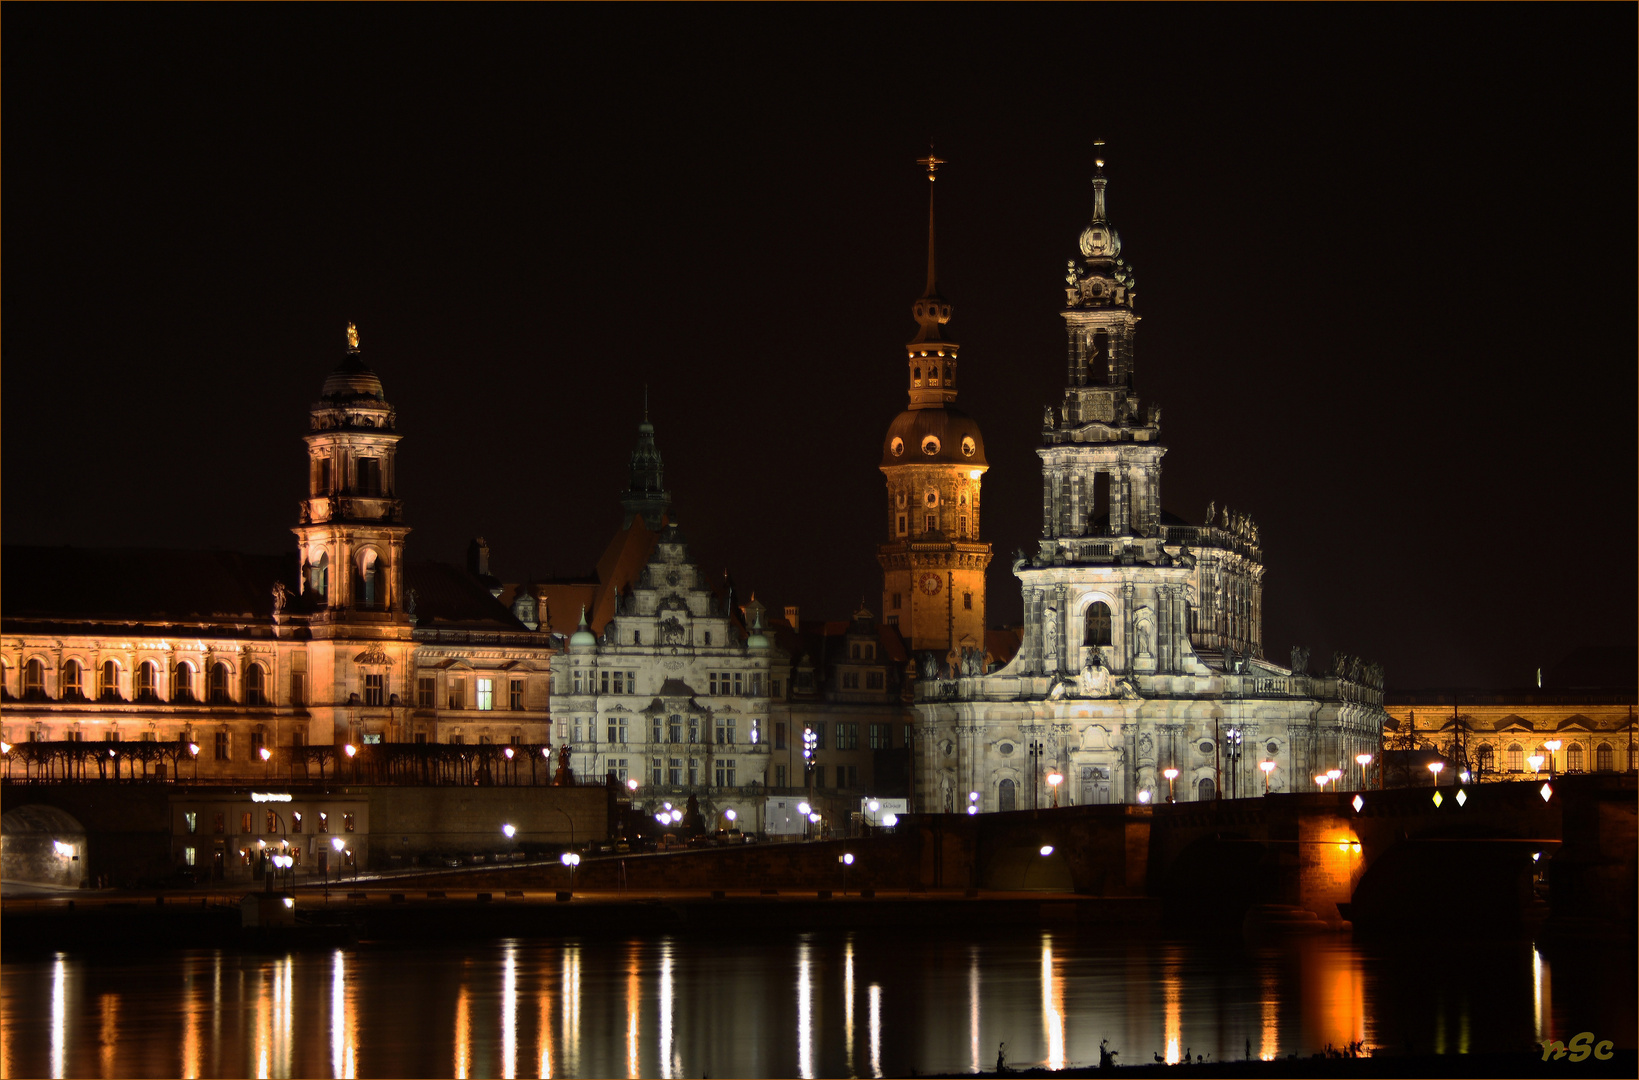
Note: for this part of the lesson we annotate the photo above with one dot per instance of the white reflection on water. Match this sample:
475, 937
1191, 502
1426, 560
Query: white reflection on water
634, 996
1171, 992
875, 995
973, 1003
1052, 1005
509, 1010
264, 1025
59, 1022
848, 1001
1542, 986
666, 1009
805, 1011
571, 1010
343, 1044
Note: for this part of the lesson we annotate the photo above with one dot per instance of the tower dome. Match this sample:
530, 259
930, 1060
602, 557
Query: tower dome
352, 378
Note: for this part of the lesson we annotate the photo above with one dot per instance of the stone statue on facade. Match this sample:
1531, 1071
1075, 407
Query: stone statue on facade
281, 596
564, 776
1094, 680
1050, 637
930, 666
409, 602
1300, 660
671, 631
1211, 511
1047, 418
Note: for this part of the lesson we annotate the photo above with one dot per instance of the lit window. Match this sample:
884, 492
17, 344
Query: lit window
244, 823
193, 822
347, 823
295, 821
188, 854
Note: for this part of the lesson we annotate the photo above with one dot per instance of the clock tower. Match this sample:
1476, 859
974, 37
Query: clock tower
933, 562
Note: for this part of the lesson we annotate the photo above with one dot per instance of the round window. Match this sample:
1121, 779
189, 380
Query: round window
1274, 748
933, 498
1005, 748
930, 445
969, 447
897, 446
1206, 748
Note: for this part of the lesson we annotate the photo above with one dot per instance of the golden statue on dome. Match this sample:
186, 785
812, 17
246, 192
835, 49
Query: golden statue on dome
352, 338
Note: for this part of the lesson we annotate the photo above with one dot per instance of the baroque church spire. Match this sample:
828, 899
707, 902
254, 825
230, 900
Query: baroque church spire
646, 493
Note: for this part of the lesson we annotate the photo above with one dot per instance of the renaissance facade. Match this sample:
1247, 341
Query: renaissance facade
1142, 650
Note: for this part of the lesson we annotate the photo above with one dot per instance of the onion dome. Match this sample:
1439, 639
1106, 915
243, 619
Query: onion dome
583, 635
934, 437
352, 379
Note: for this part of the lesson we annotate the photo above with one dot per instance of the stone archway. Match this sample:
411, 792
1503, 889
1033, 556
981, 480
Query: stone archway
42, 845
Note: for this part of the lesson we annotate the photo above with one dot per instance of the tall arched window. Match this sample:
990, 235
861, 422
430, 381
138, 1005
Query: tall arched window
34, 681
255, 685
108, 686
182, 681
1488, 759
1098, 624
1206, 791
370, 590
1516, 758
73, 688
147, 681
1100, 361
1602, 757
219, 684
1005, 798
318, 577
1573, 758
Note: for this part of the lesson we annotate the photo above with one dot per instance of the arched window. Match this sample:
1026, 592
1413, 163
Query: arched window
219, 685
182, 682
1602, 757
1005, 799
108, 686
1573, 758
1206, 790
369, 564
1516, 758
73, 688
147, 681
1488, 759
1098, 624
933, 376
255, 685
318, 577
1101, 358
916, 376
34, 681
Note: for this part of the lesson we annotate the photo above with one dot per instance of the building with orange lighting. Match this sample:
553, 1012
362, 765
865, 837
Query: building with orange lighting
1143, 651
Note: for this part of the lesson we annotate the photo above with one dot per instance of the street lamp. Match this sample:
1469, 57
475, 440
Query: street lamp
972, 803
1232, 740
193, 752
1363, 760
509, 831
571, 860
1335, 776
1552, 746
1267, 767
1435, 767
1171, 774
1144, 796
1054, 779
1322, 779
847, 860
1535, 761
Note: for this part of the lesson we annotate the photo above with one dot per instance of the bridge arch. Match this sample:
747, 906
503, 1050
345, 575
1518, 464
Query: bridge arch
42, 845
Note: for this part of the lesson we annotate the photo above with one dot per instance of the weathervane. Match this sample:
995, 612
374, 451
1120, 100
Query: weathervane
352, 338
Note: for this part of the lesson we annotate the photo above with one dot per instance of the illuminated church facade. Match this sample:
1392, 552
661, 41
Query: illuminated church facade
1142, 649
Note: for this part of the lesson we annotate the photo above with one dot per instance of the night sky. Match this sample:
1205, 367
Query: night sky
1385, 261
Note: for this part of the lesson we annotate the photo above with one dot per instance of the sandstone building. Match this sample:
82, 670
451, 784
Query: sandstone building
1142, 648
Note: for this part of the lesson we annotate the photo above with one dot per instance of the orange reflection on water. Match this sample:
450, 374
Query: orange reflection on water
1335, 996
848, 1002
1171, 991
571, 1011
1052, 1005
463, 1028
973, 1004
343, 1021
108, 1037
546, 1034
1269, 1046
191, 1020
634, 995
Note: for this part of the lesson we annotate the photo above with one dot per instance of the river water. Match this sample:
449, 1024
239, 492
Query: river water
810, 1005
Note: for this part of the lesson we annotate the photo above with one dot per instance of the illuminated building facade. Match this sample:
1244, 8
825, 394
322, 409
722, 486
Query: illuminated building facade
933, 457
255, 659
1142, 648
663, 682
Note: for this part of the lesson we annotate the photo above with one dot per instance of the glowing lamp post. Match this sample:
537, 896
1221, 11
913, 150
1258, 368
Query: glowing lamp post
570, 860
972, 803
1322, 779
1535, 761
1435, 767
350, 750
1054, 779
1552, 746
1363, 760
193, 752
1334, 775
1171, 775
1267, 767
847, 860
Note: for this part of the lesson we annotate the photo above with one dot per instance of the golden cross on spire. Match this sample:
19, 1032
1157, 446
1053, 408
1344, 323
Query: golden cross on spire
931, 163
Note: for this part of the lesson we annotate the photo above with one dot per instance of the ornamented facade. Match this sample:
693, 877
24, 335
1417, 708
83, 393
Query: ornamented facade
1143, 648
933, 457
262, 662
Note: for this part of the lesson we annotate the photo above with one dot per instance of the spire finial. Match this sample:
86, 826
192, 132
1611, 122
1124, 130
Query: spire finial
1098, 162
352, 338
931, 163
645, 403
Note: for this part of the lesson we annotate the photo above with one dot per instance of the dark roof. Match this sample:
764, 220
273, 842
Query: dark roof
676, 688
913, 426
447, 596
142, 584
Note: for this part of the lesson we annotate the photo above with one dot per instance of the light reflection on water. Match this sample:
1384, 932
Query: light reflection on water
809, 1005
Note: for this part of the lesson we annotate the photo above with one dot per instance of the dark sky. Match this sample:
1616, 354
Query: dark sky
1385, 260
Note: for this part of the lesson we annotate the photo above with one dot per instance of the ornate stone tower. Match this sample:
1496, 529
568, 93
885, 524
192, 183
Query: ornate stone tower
646, 494
933, 562
351, 537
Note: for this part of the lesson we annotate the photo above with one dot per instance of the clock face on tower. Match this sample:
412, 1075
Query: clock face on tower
929, 583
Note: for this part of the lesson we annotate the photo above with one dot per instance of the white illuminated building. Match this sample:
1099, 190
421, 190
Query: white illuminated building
1143, 648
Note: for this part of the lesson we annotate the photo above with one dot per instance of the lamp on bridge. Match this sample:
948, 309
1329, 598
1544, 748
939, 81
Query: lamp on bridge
1267, 767
1363, 760
1535, 761
1171, 775
1054, 779
1335, 776
1322, 779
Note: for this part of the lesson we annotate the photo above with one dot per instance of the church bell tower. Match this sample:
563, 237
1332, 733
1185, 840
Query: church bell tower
933, 561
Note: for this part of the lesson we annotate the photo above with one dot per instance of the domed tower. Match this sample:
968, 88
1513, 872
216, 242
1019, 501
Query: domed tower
646, 494
933, 561
351, 535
